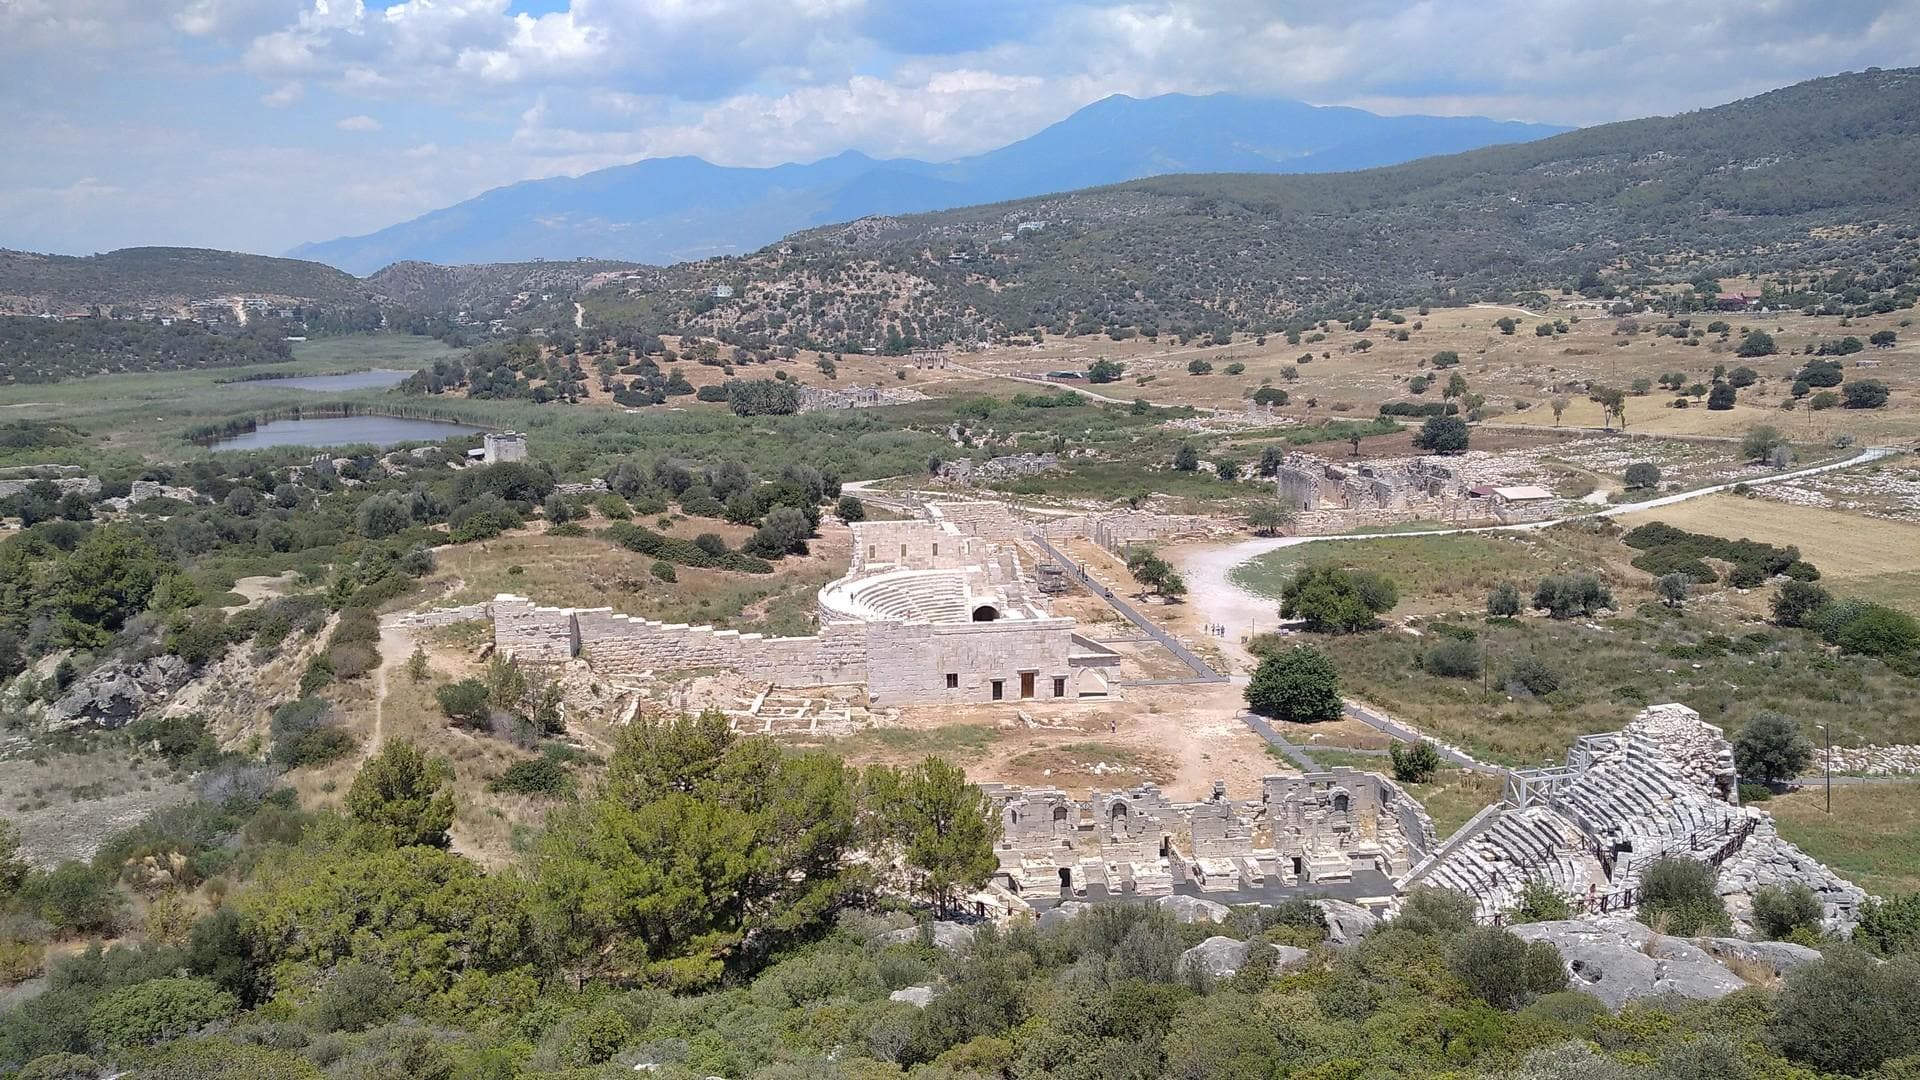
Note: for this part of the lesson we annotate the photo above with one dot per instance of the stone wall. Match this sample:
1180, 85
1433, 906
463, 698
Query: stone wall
909, 545
986, 520
66, 485
911, 662
1699, 749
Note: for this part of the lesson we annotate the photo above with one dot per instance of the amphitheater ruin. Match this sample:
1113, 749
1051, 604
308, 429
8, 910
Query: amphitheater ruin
939, 610
1663, 785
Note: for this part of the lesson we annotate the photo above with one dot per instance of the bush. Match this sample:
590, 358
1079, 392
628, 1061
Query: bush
74, 898
1333, 600
1532, 675
1297, 685
1865, 394
1504, 971
1453, 659
1756, 343
1770, 749
1781, 912
850, 509
1877, 630
540, 776
1415, 763
663, 570
305, 733
1643, 475
1683, 895
1541, 901
1442, 435
1563, 596
465, 703
1847, 1013
1798, 602
1890, 926
1721, 397
157, 1011
1503, 601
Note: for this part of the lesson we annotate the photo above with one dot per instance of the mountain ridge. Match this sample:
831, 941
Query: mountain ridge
674, 209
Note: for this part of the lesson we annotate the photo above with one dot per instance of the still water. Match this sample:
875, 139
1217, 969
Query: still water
341, 430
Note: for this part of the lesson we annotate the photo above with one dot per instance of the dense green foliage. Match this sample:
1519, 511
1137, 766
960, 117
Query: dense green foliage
1298, 685
1333, 600
48, 350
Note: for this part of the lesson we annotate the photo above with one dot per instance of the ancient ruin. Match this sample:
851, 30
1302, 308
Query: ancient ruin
1663, 785
817, 398
1341, 832
1328, 496
936, 610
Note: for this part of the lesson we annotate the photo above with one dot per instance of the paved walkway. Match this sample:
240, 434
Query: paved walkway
1201, 671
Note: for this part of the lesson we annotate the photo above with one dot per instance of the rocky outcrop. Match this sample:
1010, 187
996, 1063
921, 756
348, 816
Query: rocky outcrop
917, 996
946, 936
1193, 909
1065, 913
1768, 859
1618, 960
1223, 957
1346, 923
117, 692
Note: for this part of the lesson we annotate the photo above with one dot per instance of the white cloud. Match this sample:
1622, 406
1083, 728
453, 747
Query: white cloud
505, 95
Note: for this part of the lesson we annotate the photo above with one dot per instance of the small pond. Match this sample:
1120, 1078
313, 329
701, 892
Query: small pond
377, 379
342, 430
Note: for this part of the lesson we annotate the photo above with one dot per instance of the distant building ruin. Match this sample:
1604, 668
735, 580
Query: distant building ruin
1006, 467
817, 398
1329, 496
499, 446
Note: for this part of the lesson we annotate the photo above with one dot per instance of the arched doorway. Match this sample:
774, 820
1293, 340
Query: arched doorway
985, 613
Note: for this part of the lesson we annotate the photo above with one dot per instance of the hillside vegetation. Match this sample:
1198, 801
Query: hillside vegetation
133, 276
1814, 175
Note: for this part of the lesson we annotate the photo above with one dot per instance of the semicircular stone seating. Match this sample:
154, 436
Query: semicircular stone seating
938, 596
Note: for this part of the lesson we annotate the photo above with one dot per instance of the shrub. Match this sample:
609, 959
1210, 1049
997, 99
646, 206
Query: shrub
1877, 630
851, 509
1770, 748
543, 775
157, 1011
74, 898
465, 703
1504, 600
1415, 763
1453, 659
1721, 397
1684, 895
1780, 912
1847, 1013
1865, 394
1563, 596
1532, 675
1540, 901
663, 570
1333, 600
1442, 435
1297, 685
1643, 475
305, 733
1798, 602
1504, 971
1756, 343
1890, 926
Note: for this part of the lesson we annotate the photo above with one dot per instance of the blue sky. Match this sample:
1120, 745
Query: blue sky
259, 124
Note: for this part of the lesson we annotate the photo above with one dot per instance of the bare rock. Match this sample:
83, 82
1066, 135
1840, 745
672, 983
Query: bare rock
1618, 960
1193, 909
1065, 913
1223, 957
116, 693
917, 996
1347, 923
1778, 956
947, 936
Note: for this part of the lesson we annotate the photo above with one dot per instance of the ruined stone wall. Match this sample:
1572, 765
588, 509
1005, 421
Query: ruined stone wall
66, 485
910, 662
910, 545
1297, 487
986, 520
1700, 749
1449, 511
531, 634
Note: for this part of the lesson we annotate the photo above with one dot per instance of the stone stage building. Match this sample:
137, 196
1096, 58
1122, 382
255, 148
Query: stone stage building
1342, 832
936, 610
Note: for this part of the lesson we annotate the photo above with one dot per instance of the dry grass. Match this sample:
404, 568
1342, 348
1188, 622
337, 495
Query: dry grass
1506, 368
1453, 796
1872, 836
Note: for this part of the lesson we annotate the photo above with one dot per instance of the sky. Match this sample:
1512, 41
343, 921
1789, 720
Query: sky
256, 125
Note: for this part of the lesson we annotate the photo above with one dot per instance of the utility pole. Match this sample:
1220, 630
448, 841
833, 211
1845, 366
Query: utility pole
1829, 765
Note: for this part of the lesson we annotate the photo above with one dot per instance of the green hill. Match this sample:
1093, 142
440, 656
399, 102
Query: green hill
1822, 174
30, 283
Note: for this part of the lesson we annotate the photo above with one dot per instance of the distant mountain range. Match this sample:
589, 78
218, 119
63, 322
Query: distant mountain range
666, 210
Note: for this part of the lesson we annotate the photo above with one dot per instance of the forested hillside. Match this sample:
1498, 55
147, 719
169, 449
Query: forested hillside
32, 282
1817, 174
45, 350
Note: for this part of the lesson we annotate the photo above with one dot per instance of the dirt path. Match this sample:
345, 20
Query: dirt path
396, 645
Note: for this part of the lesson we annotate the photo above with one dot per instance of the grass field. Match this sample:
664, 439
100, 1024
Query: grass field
1857, 555
1872, 836
1433, 573
1453, 796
